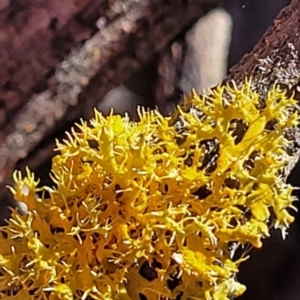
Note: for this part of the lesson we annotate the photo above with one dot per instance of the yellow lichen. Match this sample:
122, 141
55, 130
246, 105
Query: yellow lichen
152, 209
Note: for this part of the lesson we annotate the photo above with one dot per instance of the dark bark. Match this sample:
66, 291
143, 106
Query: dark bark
277, 52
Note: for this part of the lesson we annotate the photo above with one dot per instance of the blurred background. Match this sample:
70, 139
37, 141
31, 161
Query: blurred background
59, 60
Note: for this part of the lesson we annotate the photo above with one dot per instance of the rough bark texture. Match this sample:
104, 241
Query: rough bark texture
276, 55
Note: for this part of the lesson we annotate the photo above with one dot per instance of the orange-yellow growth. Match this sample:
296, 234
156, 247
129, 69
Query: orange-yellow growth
153, 209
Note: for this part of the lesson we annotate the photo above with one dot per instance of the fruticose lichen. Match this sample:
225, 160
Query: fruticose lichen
154, 209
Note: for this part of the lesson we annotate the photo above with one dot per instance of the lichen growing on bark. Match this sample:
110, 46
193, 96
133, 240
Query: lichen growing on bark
152, 209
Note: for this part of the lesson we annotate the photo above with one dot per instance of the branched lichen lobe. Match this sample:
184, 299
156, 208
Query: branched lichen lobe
151, 209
